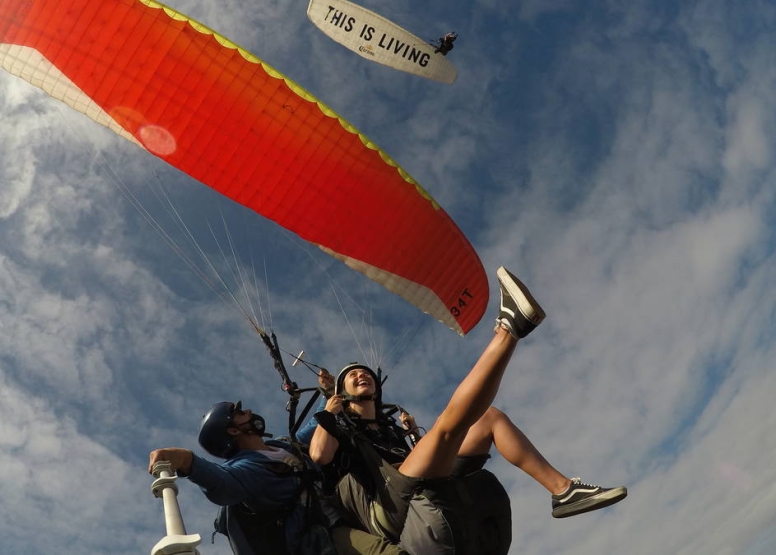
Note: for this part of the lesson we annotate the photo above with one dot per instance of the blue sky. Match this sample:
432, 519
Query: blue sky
616, 156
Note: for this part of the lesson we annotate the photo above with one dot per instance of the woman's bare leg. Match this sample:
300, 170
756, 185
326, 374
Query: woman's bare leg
568, 498
495, 428
519, 314
434, 455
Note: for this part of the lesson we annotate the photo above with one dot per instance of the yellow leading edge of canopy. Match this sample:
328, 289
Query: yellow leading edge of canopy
272, 72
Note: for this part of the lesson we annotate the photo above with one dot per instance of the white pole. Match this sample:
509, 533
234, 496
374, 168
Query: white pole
176, 541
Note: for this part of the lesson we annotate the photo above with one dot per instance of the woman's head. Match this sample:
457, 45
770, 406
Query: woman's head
358, 382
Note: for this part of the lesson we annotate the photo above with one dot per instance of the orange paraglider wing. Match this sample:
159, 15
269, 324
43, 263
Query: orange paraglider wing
223, 116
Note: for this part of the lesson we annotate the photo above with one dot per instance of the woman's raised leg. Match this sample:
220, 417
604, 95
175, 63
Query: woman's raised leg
496, 428
519, 314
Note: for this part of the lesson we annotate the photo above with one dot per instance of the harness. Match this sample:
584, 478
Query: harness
263, 532
289, 386
467, 514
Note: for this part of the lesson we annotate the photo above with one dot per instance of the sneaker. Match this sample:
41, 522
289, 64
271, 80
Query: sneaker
519, 312
580, 498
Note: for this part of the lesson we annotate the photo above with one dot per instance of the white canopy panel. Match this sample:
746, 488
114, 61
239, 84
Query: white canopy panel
375, 38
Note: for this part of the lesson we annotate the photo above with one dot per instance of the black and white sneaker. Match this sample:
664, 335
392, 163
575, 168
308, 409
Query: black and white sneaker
581, 498
519, 312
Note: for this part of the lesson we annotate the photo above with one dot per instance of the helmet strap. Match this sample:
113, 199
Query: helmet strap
356, 398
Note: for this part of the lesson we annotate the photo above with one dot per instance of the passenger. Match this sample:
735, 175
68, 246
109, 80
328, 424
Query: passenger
379, 475
445, 44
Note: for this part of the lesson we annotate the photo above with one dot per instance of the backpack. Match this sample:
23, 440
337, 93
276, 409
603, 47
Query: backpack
466, 515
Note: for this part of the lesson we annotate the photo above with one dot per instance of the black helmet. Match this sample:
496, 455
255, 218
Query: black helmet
339, 387
213, 436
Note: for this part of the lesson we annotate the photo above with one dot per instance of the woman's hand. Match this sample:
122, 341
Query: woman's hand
408, 421
334, 404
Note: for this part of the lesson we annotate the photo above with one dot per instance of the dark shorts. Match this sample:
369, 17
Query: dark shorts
467, 514
380, 505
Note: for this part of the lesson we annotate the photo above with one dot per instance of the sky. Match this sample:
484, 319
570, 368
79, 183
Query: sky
617, 156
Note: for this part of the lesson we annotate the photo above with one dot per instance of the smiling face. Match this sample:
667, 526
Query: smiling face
359, 381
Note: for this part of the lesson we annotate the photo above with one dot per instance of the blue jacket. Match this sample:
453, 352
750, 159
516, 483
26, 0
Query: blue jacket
305, 433
244, 479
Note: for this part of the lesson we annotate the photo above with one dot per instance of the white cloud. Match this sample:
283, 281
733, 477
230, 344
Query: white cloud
622, 167
748, 144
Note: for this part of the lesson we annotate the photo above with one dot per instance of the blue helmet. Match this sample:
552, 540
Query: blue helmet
213, 435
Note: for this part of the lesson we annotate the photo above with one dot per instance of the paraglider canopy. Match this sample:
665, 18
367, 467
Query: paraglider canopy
226, 118
375, 38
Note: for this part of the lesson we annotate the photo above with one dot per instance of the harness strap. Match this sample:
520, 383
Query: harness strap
306, 409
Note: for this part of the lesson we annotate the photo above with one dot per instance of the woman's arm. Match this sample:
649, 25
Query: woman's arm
324, 444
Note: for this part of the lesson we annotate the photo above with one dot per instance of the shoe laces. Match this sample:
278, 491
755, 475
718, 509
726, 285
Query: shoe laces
578, 482
502, 323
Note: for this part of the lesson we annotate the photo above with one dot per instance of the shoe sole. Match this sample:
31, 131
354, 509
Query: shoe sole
522, 296
593, 503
